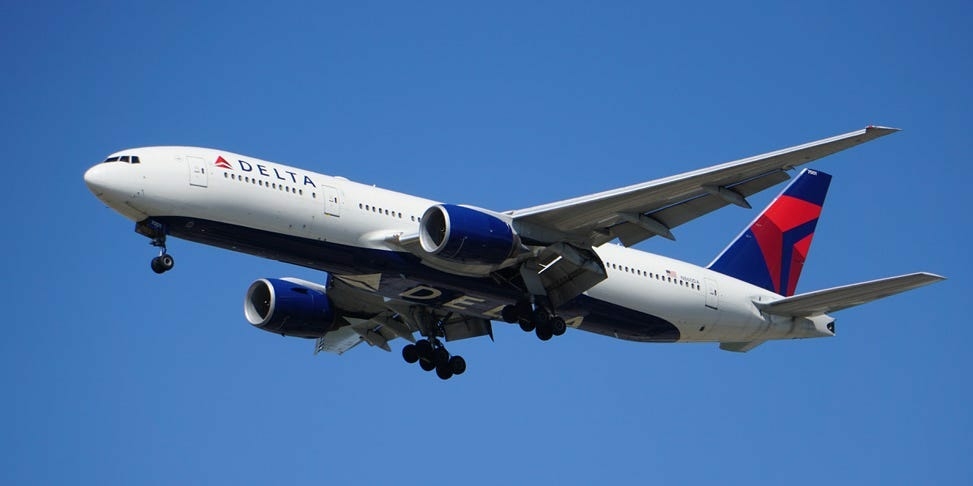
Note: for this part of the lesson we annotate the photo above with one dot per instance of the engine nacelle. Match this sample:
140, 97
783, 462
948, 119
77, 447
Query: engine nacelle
465, 235
287, 308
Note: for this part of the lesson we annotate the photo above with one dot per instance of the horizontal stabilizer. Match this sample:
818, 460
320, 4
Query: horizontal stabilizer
838, 298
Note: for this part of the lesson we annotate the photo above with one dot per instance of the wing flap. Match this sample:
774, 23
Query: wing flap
838, 298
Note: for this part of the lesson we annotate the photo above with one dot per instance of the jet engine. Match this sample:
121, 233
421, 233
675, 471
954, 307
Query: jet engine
461, 234
288, 308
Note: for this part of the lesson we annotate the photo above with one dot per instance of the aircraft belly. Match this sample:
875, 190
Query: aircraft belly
402, 276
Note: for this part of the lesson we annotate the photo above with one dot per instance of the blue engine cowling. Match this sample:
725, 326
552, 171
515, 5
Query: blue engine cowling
466, 235
289, 309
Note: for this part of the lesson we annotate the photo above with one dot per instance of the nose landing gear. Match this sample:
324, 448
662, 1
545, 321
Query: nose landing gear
156, 231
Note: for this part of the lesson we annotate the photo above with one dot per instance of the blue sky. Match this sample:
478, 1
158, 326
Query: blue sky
113, 375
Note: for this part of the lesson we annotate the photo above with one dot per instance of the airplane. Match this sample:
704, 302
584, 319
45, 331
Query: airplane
397, 265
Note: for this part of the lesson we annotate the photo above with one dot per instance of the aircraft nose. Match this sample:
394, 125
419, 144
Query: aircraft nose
97, 180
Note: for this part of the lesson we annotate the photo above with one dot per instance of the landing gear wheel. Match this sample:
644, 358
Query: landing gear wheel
440, 356
157, 265
558, 326
509, 313
426, 365
163, 263
167, 261
526, 326
409, 353
457, 364
541, 317
444, 371
544, 333
424, 349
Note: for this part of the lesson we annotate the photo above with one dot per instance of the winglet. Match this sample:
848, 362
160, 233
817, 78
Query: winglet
881, 130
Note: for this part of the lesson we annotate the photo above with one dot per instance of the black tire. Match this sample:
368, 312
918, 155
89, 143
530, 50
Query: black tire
440, 356
167, 262
509, 314
426, 365
541, 317
544, 333
409, 353
424, 348
157, 265
558, 326
457, 364
526, 326
444, 371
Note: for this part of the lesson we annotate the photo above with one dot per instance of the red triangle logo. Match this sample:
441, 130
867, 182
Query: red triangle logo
221, 162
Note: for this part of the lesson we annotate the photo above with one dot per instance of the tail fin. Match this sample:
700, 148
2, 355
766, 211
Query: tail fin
770, 253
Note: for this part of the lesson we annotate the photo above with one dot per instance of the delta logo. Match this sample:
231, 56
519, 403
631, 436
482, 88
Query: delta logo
222, 163
267, 172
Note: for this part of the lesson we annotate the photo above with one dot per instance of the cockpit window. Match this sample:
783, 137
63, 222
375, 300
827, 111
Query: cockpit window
128, 159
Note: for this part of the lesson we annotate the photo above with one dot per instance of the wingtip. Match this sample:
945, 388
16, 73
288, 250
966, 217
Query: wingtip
879, 129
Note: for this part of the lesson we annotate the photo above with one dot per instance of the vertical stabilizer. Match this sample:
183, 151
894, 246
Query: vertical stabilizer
770, 252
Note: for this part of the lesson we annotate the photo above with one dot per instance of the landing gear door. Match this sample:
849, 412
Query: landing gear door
197, 172
712, 294
332, 202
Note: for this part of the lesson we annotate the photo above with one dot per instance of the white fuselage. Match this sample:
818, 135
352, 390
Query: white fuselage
204, 185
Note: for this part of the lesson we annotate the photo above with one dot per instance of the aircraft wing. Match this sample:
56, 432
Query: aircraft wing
653, 208
838, 298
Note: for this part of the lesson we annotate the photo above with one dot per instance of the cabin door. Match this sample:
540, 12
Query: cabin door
712, 294
332, 204
197, 172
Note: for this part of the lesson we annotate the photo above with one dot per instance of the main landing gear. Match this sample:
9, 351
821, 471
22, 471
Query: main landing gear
432, 355
542, 321
430, 352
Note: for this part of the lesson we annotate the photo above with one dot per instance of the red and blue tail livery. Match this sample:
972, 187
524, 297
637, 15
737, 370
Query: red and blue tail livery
771, 252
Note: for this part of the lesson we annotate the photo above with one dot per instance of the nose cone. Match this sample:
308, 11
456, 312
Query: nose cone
115, 185
97, 179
